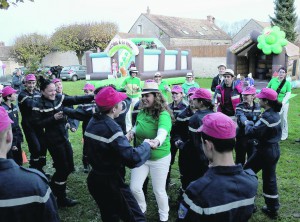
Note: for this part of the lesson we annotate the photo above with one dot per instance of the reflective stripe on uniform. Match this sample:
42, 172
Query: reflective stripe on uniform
24, 99
25, 200
270, 196
103, 139
248, 110
50, 109
60, 183
269, 124
192, 129
235, 97
218, 209
183, 119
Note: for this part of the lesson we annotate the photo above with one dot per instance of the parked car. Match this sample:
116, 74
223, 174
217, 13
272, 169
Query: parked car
73, 72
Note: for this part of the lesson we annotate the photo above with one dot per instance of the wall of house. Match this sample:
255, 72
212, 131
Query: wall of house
149, 28
248, 28
197, 42
207, 66
62, 58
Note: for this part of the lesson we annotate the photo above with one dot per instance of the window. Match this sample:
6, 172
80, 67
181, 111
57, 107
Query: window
201, 33
214, 28
204, 28
139, 29
185, 32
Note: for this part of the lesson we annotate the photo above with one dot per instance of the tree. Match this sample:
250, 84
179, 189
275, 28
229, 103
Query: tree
30, 49
83, 37
285, 17
232, 28
4, 4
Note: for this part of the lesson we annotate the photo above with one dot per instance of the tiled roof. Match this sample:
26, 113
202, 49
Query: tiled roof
177, 27
132, 35
262, 24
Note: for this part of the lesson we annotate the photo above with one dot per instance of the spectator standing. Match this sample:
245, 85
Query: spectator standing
17, 81
267, 131
219, 78
283, 89
114, 68
228, 94
24, 193
226, 192
189, 82
163, 86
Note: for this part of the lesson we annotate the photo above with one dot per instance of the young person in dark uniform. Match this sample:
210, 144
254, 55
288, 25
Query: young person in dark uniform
195, 162
181, 131
226, 192
176, 106
9, 96
48, 114
108, 151
33, 135
268, 133
248, 110
24, 193
218, 78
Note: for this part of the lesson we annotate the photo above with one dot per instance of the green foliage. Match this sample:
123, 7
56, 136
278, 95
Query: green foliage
4, 4
83, 37
285, 17
30, 49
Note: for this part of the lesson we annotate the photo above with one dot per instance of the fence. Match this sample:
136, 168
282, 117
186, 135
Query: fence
205, 50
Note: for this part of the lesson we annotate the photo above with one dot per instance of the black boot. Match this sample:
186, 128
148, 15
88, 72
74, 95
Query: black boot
66, 202
269, 212
59, 190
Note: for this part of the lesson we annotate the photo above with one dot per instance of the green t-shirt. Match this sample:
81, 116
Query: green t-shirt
132, 87
147, 127
187, 85
162, 89
274, 84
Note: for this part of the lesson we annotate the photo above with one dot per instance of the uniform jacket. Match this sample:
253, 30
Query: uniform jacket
108, 149
224, 193
216, 81
267, 130
25, 194
43, 116
25, 103
235, 95
177, 109
244, 112
17, 82
14, 116
88, 110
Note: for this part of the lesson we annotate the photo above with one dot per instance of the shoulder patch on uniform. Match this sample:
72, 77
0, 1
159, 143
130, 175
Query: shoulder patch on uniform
35, 172
182, 211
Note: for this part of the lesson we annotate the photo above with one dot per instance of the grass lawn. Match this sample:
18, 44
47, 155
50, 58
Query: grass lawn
288, 174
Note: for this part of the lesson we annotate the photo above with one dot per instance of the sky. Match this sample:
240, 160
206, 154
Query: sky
44, 16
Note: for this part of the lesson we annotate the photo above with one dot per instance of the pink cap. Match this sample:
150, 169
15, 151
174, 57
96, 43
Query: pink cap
267, 93
192, 90
201, 94
218, 125
177, 89
250, 90
88, 86
8, 90
30, 77
0, 91
56, 80
5, 121
108, 97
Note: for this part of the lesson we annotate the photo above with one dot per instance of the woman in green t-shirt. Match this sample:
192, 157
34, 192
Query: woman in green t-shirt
283, 89
153, 122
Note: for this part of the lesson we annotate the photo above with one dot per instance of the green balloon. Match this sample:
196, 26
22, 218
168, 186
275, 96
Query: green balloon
276, 49
267, 51
271, 39
276, 28
283, 42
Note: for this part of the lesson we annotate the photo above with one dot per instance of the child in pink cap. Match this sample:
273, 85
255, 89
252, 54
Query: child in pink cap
267, 132
9, 97
247, 110
226, 192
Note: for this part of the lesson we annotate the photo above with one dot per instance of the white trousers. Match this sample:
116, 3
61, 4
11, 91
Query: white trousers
158, 170
284, 121
128, 116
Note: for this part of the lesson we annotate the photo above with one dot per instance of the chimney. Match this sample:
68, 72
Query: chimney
148, 10
211, 19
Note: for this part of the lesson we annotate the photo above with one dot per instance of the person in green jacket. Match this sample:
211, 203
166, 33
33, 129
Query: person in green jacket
189, 82
132, 86
153, 122
163, 86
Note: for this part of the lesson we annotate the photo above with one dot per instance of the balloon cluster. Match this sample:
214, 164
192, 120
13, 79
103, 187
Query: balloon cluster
271, 40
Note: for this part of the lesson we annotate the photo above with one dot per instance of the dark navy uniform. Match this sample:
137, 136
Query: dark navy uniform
25, 195
194, 163
181, 132
268, 133
244, 145
34, 135
56, 137
17, 133
224, 193
108, 151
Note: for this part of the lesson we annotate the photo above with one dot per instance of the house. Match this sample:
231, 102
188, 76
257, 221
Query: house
6, 60
176, 32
